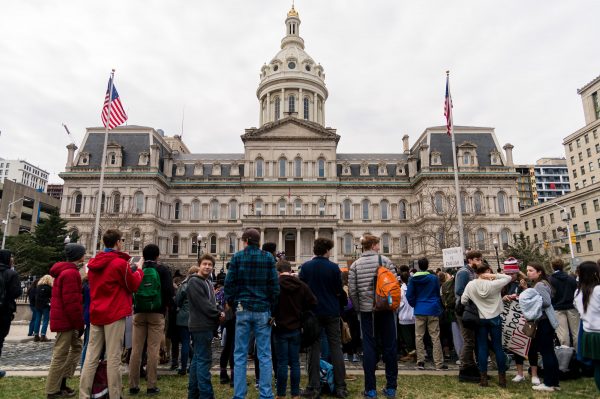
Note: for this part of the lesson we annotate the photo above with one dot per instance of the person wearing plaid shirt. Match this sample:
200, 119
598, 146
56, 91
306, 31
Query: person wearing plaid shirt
252, 288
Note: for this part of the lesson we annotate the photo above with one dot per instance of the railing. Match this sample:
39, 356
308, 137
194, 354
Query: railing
292, 216
25, 284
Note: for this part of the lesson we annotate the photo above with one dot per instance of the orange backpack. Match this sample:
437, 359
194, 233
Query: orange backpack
387, 290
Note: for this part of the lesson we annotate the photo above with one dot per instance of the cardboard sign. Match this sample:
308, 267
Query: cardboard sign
453, 257
513, 339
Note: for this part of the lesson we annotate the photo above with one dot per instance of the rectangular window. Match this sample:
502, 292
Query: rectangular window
596, 205
582, 168
584, 208
573, 214
526, 225
572, 160
597, 148
542, 221
588, 152
574, 172
554, 234
534, 223
578, 142
575, 229
580, 156
552, 218
590, 245
578, 247
586, 225
591, 166
596, 102
598, 224
586, 137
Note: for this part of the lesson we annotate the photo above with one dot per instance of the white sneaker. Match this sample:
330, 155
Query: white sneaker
535, 381
543, 387
518, 378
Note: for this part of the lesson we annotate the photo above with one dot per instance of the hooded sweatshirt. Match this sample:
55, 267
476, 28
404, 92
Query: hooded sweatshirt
66, 302
112, 284
486, 295
12, 285
204, 314
294, 298
423, 294
563, 289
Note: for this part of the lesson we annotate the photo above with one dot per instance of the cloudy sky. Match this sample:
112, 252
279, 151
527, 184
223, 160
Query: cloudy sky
515, 65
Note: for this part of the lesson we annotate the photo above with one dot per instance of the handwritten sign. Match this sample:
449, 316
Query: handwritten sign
453, 257
513, 339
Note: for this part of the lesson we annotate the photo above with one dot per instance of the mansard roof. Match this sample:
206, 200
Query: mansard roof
373, 157
209, 157
132, 145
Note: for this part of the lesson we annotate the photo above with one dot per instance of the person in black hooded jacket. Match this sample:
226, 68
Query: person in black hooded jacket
563, 292
10, 292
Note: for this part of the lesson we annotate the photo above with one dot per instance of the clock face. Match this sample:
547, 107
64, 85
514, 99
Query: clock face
291, 65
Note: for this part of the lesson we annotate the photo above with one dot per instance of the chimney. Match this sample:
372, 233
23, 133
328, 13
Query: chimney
412, 166
424, 148
509, 158
72, 148
405, 143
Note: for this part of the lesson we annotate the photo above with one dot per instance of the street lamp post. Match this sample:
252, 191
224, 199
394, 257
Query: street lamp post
497, 258
198, 241
7, 221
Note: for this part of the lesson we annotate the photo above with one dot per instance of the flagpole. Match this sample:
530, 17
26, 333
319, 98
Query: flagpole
103, 165
461, 233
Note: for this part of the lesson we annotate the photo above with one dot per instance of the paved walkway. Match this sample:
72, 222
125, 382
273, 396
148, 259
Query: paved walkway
21, 356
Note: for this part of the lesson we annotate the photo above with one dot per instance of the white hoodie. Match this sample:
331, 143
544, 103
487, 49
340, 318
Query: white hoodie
486, 295
406, 313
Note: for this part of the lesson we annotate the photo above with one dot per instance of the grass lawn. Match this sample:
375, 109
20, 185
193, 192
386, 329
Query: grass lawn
174, 387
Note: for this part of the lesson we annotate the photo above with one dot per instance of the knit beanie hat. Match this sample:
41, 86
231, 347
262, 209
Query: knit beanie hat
511, 266
74, 252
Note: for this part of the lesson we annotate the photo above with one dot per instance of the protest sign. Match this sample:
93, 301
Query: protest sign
513, 339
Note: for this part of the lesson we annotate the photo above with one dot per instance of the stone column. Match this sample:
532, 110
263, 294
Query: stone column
509, 158
71, 147
300, 106
335, 245
262, 236
316, 233
260, 111
298, 244
269, 107
405, 147
280, 242
283, 107
315, 98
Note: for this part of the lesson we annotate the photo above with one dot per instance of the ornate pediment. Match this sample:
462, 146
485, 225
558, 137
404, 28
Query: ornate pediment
291, 129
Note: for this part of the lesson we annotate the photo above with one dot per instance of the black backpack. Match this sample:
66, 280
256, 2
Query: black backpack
2, 290
311, 329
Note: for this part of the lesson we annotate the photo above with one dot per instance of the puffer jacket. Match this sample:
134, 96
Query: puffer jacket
66, 302
360, 279
535, 304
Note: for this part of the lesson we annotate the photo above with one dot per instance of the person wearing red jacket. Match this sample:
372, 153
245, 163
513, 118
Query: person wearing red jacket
112, 284
66, 320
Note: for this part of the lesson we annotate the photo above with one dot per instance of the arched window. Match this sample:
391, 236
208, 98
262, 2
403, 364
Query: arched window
384, 210
466, 158
116, 203
195, 210
137, 240
113, 158
233, 205
504, 238
258, 207
282, 164
213, 244
281, 207
481, 239
214, 210
438, 202
501, 203
385, 243
231, 243
347, 209
402, 210
321, 167
194, 241
467, 237
277, 108
177, 210
292, 103
348, 244
365, 205
297, 207
260, 167
78, 203
321, 206
463, 202
306, 108
478, 202
138, 201
298, 167
175, 245
404, 243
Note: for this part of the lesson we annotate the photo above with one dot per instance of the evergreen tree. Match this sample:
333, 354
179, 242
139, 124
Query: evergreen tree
526, 251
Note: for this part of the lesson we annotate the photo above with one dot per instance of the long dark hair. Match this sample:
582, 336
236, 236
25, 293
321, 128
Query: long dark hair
540, 269
589, 278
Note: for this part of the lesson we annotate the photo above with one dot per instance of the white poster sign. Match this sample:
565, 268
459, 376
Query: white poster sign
453, 257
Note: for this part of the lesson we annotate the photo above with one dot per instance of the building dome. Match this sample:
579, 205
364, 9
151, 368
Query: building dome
292, 83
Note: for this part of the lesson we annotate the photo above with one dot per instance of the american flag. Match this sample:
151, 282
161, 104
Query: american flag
448, 107
117, 113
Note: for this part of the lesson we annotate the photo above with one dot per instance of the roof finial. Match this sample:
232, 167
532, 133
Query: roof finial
292, 12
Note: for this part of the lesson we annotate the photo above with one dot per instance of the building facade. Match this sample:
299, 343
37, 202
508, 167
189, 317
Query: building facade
23, 172
291, 183
551, 178
55, 190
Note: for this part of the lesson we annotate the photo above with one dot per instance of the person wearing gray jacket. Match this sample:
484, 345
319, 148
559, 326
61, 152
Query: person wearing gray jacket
203, 321
361, 280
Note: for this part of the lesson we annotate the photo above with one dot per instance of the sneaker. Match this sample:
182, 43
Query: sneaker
420, 366
2, 373
518, 378
56, 395
44, 339
152, 391
543, 388
535, 381
342, 393
67, 392
389, 393
345, 357
441, 368
134, 391
370, 394
458, 363
36, 338
183, 372
309, 393
355, 358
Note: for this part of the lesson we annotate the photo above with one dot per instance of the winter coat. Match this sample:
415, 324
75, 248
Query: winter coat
43, 296
486, 295
406, 313
324, 279
112, 284
66, 302
12, 285
294, 298
535, 304
361, 278
423, 294
564, 287
204, 314
183, 304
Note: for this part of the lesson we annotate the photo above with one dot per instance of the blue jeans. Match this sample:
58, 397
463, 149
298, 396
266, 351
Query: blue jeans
257, 322
43, 319
490, 328
184, 336
287, 347
199, 385
35, 314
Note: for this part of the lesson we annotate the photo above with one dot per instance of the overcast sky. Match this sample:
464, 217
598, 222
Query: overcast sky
515, 65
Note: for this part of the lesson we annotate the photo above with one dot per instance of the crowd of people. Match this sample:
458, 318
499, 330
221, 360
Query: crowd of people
112, 311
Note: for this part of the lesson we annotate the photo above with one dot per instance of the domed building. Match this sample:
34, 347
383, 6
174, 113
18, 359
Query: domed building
291, 183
